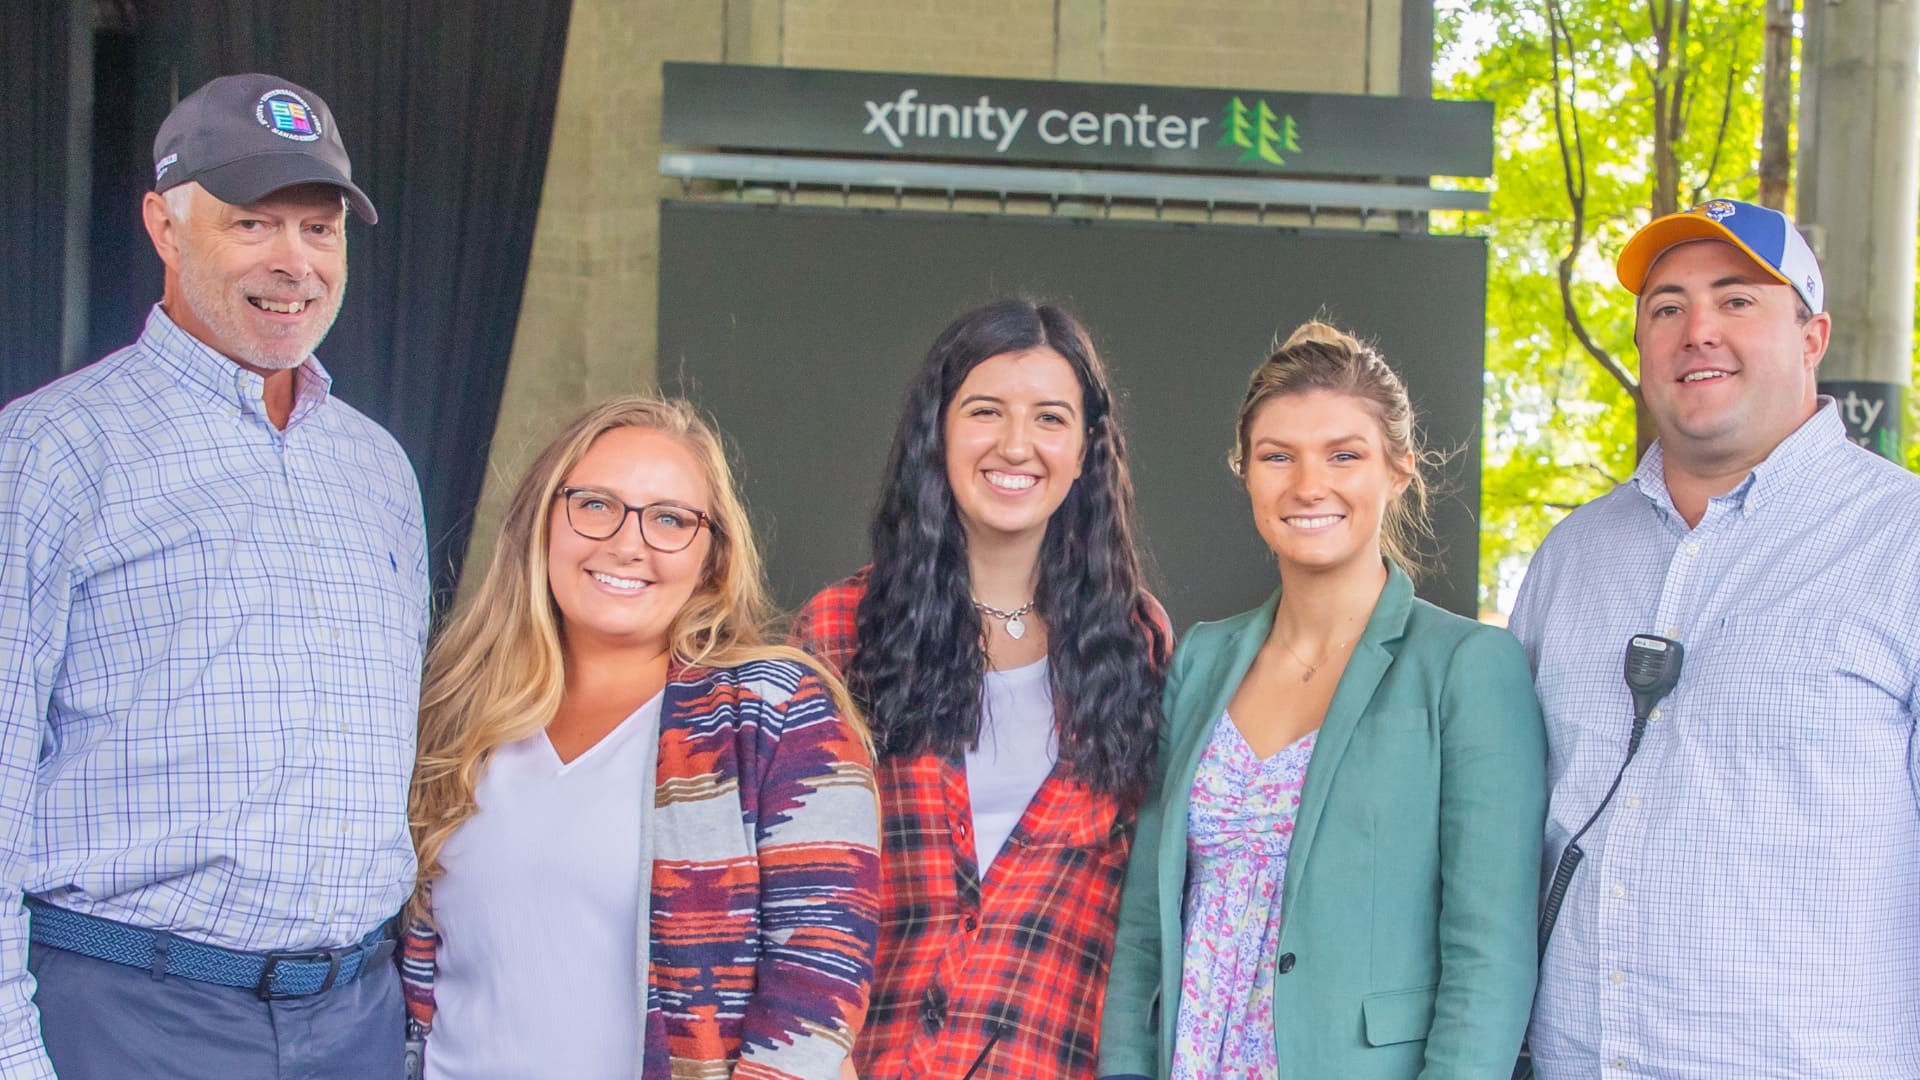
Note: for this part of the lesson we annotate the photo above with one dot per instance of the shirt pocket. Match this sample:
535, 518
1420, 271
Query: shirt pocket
1088, 821
1078, 850
1793, 682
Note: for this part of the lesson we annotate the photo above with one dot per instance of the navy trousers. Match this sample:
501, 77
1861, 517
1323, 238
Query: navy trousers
105, 1021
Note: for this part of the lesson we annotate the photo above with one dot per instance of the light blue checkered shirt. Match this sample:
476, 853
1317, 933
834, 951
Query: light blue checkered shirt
211, 634
1749, 906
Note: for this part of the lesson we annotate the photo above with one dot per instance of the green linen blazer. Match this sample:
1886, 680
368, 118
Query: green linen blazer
1410, 901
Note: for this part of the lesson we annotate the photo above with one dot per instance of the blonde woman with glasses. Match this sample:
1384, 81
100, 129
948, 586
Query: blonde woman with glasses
648, 839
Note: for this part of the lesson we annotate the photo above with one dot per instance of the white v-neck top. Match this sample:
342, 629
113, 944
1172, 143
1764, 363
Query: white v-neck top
538, 913
1016, 753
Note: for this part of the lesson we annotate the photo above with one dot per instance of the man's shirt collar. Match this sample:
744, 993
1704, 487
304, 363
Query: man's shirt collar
203, 371
1797, 456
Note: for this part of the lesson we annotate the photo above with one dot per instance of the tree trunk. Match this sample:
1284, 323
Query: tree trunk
1643, 432
1670, 19
1776, 110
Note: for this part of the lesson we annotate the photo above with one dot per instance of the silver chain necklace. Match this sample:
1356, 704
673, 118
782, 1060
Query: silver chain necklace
1015, 628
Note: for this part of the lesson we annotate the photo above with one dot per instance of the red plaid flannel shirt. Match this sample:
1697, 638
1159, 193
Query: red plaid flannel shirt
1010, 972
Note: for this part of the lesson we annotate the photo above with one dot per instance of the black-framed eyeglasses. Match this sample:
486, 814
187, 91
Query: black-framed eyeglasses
665, 527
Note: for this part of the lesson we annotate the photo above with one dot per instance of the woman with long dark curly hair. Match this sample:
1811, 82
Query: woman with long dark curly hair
1009, 659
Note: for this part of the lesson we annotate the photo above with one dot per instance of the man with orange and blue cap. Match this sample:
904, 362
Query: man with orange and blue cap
1747, 901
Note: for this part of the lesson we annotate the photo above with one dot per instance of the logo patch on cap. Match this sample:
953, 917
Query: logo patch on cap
1718, 209
160, 168
287, 115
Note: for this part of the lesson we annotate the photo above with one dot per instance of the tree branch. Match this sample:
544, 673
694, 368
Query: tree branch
1573, 168
1720, 136
1633, 46
1776, 110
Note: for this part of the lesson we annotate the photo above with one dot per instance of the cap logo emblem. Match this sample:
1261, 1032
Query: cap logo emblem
284, 113
1718, 209
165, 163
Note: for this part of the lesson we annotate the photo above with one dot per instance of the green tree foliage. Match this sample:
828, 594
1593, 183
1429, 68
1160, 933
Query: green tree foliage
1603, 109
1913, 392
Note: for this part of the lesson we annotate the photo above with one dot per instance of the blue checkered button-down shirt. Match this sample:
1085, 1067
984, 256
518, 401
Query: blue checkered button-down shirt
211, 634
1749, 905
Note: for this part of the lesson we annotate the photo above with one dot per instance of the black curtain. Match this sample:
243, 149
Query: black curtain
33, 196
446, 109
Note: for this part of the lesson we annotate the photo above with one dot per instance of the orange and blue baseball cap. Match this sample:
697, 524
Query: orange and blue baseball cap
1767, 236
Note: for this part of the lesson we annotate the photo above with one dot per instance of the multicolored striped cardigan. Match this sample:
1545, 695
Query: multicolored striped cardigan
764, 908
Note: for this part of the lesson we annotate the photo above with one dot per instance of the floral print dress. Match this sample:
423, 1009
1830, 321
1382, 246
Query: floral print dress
1240, 817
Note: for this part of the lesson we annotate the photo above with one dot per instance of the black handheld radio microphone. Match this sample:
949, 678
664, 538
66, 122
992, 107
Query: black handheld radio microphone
1652, 670
1653, 667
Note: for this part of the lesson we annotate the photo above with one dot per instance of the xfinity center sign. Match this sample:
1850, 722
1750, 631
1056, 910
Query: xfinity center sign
1087, 124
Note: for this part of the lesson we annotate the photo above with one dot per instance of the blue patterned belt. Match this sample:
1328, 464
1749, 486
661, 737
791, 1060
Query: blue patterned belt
271, 976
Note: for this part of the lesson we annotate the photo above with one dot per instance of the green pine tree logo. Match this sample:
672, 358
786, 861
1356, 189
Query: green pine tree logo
1259, 132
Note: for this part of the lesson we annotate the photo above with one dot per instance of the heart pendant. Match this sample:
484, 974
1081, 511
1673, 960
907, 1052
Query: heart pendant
1016, 629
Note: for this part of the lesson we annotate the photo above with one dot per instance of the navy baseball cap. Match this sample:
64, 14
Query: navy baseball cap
244, 137
1765, 235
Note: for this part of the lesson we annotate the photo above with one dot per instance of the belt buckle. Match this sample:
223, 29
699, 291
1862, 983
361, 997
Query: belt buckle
264, 989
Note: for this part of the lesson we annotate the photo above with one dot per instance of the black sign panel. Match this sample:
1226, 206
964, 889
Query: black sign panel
1088, 124
800, 328
1874, 412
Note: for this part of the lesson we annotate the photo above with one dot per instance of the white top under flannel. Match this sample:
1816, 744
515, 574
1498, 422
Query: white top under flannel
211, 634
1018, 749
1749, 905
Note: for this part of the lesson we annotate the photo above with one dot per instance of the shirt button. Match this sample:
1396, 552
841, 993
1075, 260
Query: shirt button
1633, 802
1693, 549
1617, 977
1619, 1063
1655, 714
1619, 891
969, 924
1673, 632
1286, 963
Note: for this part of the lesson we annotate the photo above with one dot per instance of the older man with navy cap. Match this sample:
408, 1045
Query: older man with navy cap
1746, 901
213, 607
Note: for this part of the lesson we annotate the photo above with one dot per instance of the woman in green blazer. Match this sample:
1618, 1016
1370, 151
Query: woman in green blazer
1338, 874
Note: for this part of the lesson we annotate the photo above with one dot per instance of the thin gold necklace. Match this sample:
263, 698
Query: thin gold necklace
1313, 669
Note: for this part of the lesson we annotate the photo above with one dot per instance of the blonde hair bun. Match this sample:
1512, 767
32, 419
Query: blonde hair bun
1315, 332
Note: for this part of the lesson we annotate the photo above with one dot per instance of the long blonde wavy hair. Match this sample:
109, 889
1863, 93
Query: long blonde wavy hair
496, 672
